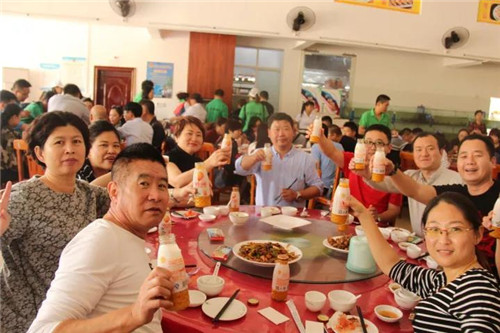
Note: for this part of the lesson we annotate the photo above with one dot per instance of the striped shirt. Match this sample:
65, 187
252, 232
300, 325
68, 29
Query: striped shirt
470, 303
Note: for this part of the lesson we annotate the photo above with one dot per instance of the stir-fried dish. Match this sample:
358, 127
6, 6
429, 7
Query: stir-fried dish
265, 252
340, 242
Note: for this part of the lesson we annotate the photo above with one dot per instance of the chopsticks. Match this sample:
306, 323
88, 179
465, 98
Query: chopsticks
279, 197
224, 308
361, 319
422, 256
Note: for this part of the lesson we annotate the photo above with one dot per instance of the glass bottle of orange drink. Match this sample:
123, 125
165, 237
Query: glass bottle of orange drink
281, 279
495, 220
170, 257
340, 211
267, 164
201, 184
360, 155
165, 226
378, 172
227, 143
234, 201
316, 132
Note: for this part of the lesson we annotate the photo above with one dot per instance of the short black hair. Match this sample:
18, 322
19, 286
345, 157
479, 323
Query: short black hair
73, 90
134, 107
10, 111
352, 125
136, 152
417, 130
219, 92
307, 103
442, 142
327, 119
478, 111
197, 97
382, 99
21, 83
426, 134
221, 121
233, 125
146, 87
182, 95
150, 106
264, 94
118, 108
87, 99
7, 96
278, 116
43, 126
486, 139
495, 132
380, 128
405, 131
46, 95
334, 129
99, 127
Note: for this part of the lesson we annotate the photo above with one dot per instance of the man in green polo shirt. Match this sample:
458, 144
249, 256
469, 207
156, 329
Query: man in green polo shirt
216, 108
377, 115
253, 109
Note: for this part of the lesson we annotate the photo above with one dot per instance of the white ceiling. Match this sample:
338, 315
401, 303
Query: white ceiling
336, 23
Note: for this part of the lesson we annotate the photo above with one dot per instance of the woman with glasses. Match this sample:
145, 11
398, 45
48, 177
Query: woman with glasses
464, 296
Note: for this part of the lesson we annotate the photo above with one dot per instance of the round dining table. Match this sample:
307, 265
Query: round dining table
320, 269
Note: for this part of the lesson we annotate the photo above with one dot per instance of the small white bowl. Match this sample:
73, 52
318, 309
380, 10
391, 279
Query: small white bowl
404, 245
341, 300
238, 218
380, 310
413, 251
289, 210
210, 285
315, 300
359, 230
399, 236
385, 232
393, 287
211, 210
223, 210
207, 217
196, 298
406, 299
431, 263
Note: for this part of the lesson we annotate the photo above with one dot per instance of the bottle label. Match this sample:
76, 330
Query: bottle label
379, 168
338, 206
280, 285
181, 282
359, 158
176, 267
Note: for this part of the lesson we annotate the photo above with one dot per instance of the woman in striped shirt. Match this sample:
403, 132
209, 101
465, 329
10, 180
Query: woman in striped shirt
464, 296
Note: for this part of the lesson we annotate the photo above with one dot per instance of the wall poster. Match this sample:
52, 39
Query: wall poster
407, 6
489, 11
162, 74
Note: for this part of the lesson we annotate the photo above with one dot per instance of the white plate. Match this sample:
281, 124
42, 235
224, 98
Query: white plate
207, 217
328, 245
196, 298
289, 247
285, 222
236, 309
181, 214
370, 327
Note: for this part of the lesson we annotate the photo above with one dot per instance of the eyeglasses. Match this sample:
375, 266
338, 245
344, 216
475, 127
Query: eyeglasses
378, 144
434, 232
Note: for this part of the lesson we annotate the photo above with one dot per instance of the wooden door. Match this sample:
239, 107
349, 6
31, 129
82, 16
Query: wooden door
113, 85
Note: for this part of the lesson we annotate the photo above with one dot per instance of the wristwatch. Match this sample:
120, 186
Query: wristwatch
299, 195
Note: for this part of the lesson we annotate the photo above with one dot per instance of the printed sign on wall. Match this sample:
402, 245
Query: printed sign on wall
162, 74
407, 6
489, 11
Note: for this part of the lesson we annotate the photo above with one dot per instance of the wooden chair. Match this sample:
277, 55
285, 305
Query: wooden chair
21, 148
206, 150
407, 161
322, 200
495, 171
252, 189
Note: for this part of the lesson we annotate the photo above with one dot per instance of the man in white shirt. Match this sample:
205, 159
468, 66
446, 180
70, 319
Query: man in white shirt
135, 130
427, 157
104, 282
70, 101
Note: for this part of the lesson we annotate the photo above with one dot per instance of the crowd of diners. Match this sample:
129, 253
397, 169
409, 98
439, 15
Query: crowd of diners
72, 239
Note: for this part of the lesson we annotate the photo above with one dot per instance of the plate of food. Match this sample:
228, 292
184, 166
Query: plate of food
342, 323
185, 214
265, 252
338, 243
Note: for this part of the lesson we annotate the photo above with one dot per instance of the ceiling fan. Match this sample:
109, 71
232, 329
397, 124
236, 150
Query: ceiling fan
124, 8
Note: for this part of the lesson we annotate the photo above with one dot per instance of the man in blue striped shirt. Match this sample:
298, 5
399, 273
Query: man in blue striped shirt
293, 177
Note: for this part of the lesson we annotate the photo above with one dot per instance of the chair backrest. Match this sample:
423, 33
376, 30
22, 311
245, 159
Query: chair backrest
21, 148
495, 171
252, 189
407, 161
206, 150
